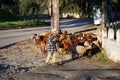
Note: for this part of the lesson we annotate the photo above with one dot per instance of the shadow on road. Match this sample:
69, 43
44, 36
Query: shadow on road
67, 61
86, 30
6, 46
71, 23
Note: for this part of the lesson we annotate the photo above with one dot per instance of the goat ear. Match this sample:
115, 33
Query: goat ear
35, 34
32, 37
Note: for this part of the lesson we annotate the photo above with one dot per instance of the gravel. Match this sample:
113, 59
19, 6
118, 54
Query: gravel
24, 53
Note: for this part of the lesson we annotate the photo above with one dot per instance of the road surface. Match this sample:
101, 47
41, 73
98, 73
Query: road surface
8, 37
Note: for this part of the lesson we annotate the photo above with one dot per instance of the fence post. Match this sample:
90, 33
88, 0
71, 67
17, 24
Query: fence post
107, 28
118, 35
111, 25
119, 24
104, 35
110, 33
115, 29
99, 33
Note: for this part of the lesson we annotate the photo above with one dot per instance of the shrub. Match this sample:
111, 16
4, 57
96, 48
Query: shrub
7, 16
21, 24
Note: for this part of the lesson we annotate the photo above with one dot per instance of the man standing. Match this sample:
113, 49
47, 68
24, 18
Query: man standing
51, 47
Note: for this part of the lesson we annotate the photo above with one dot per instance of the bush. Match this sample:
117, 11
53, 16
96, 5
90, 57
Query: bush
21, 24
7, 16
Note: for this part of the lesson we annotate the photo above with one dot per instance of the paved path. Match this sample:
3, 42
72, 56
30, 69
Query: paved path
8, 37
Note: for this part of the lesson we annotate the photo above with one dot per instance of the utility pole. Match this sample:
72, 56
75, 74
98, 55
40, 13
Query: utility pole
55, 14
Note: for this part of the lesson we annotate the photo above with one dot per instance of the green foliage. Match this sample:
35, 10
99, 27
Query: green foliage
37, 7
10, 6
8, 10
77, 6
7, 16
28, 7
115, 1
69, 6
101, 56
24, 23
44, 6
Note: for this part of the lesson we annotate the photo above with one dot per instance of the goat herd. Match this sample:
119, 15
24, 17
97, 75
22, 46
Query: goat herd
77, 45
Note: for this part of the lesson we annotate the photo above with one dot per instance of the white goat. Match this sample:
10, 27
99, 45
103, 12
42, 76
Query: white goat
82, 49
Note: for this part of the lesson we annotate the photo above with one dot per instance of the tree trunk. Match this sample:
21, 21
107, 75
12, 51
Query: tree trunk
103, 12
37, 11
49, 7
55, 14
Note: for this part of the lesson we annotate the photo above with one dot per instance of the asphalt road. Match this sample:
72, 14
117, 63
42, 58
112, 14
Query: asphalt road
8, 37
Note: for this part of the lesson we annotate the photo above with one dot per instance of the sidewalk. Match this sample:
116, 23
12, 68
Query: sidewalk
85, 28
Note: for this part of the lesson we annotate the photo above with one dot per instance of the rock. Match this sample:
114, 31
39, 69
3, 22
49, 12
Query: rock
4, 66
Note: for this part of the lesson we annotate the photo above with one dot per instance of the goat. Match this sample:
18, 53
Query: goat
40, 40
82, 49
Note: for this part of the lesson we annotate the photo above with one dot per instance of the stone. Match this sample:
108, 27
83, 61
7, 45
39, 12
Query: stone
4, 66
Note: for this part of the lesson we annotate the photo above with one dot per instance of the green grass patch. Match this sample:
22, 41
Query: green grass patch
101, 56
21, 24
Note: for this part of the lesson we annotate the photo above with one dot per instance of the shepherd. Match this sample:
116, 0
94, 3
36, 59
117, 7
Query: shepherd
51, 47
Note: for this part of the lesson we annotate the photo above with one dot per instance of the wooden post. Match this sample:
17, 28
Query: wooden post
55, 14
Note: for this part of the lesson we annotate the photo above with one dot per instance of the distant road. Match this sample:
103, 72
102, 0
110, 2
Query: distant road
8, 37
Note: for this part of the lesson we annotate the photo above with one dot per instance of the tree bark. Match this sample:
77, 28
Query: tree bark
103, 12
49, 7
55, 14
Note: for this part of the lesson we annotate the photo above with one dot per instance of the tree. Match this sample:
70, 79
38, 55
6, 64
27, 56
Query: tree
8, 10
29, 7
55, 14
9, 5
49, 8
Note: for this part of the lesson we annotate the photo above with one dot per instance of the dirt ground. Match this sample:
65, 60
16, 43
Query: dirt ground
24, 61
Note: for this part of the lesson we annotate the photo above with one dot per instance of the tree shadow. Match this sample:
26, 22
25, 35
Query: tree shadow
6, 46
85, 30
74, 23
99, 74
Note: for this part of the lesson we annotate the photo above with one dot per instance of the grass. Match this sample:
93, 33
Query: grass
100, 56
21, 24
